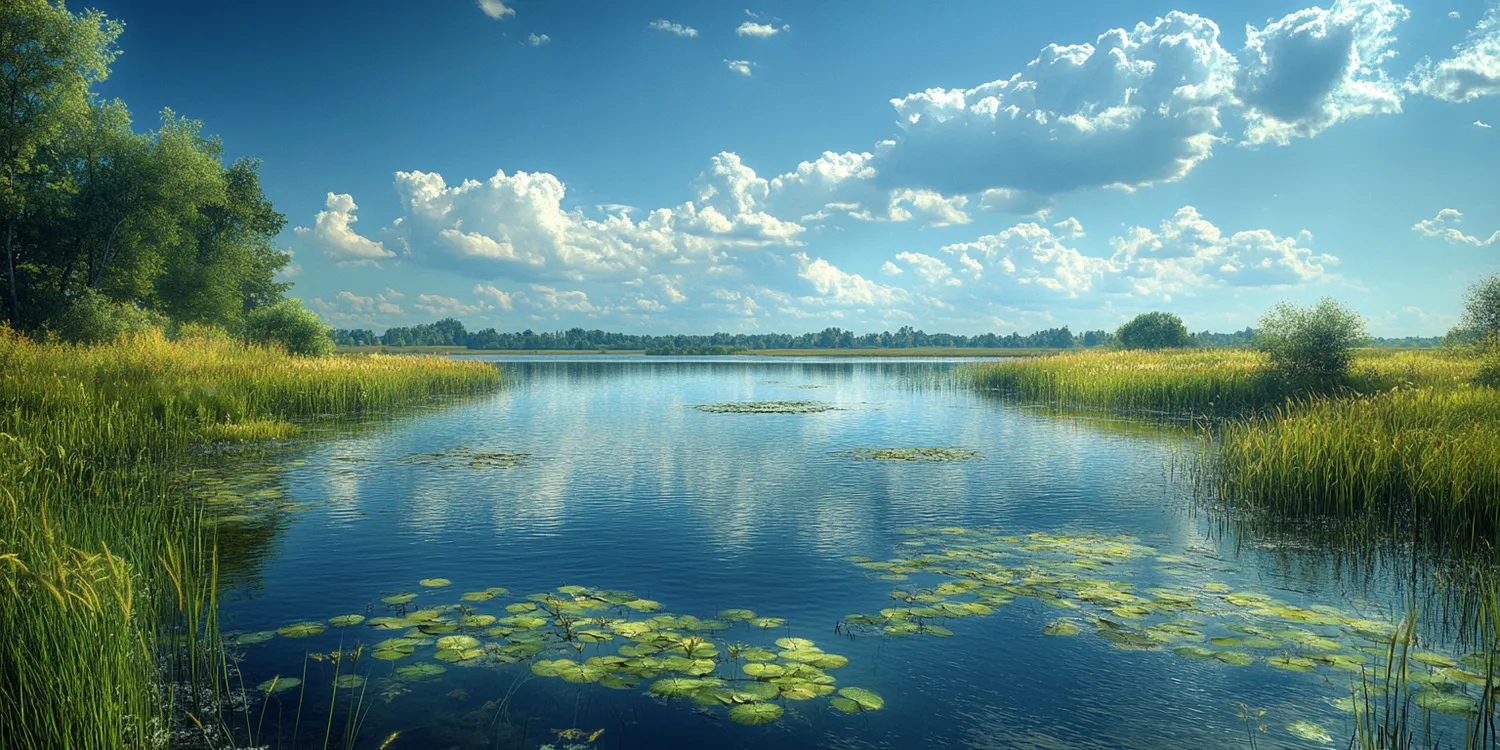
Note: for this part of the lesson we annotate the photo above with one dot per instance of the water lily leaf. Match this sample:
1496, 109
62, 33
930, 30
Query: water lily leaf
278, 685
1445, 703
476, 621
1234, 657
620, 682
571, 589
349, 682
458, 642
523, 622
300, 630
1292, 663
757, 654
1308, 731
399, 599
736, 615
755, 714
581, 673
250, 639
1193, 652
389, 623
434, 583
344, 621
437, 628
423, 615
794, 644
643, 605
798, 689
477, 596
1433, 660
676, 687
392, 649
458, 654
420, 672
866, 699
767, 622
763, 671
1062, 626
749, 692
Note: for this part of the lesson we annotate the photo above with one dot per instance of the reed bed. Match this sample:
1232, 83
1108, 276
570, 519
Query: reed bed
107, 573
1218, 382
1410, 461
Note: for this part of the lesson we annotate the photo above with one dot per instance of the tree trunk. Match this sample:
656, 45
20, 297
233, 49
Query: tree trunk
10, 269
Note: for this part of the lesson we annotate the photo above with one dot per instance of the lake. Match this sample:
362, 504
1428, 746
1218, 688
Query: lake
1061, 524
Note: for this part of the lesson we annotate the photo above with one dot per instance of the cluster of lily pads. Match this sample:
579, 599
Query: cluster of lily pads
946, 453
463, 455
585, 636
768, 407
1089, 577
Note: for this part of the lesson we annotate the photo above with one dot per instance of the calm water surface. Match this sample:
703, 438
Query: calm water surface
631, 488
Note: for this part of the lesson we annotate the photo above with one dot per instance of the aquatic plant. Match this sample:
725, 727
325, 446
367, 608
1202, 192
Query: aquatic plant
767, 407
107, 574
948, 453
466, 456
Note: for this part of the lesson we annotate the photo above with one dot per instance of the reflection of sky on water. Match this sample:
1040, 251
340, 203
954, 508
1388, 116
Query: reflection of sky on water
632, 488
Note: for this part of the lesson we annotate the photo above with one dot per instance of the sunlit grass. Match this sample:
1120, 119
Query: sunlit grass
1212, 381
107, 577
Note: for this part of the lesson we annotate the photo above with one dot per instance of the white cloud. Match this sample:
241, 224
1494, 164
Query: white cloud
1315, 68
438, 305
537, 40
891, 269
760, 30
348, 308
932, 271
495, 296
844, 289
291, 270
678, 29
496, 9
1481, 124
549, 298
1444, 226
1471, 72
740, 66
333, 233
1454, 14
1133, 108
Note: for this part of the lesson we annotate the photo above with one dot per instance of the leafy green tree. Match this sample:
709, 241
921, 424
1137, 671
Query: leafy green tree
49, 59
1310, 346
92, 318
1154, 330
1481, 318
291, 326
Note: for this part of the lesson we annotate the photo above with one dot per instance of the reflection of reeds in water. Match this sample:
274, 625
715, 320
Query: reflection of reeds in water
108, 576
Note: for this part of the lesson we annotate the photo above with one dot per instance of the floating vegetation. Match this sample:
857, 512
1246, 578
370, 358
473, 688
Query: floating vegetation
768, 407
463, 455
344, 621
613, 639
1308, 731
434, 583
278, 685
972, 572
943, 454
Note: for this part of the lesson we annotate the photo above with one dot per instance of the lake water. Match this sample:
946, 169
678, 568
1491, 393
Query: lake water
630, 488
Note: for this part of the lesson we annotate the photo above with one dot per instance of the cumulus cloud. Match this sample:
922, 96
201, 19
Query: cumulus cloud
493, 296
1471, 72
740, 66
549, 298
677, 29
1133, 108
333, 233
932, 271
1315, 68
1481, 124
1444, 227
356, 309
496, 9
760, 30
439, 306
537, 40
844, 289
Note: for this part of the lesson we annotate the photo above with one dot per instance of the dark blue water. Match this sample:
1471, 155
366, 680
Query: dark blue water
631, 488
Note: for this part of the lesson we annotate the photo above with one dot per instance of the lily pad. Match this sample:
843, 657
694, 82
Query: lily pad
867, 700
676, 687
250, 639
344, 621
737, 615
943, 454
1064, 626
399, 599
278, 684
1453, 704
434, 583
755, 713
766, 623
420, 672
1308, 731
1235, 658
301, 630
349, 682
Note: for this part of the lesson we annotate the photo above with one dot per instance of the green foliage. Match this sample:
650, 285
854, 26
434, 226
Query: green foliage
1481, 317
87, 204
291, 326
1154, 330
1489, 362
92, 318
102, 552
1310, 346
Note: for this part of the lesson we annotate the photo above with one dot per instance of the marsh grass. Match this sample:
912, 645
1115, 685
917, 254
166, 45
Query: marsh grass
1210, 382
108, 575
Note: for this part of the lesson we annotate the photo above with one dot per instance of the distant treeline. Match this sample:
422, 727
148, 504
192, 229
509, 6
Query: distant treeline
451, 332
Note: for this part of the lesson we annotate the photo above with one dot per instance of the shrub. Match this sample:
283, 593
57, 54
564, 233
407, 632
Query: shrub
1481, 318
92, 318
1154, 330
1489, 362
291, 326
1313, 345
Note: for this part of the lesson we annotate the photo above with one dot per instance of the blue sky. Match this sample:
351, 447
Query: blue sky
786, 166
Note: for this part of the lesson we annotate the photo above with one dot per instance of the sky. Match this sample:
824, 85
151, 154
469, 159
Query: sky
969, 166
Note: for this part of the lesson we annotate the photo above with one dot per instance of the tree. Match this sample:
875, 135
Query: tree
1481, 319
292, 326
1154, 330
1310, 346
49, 59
